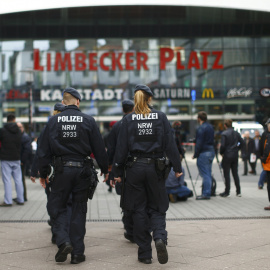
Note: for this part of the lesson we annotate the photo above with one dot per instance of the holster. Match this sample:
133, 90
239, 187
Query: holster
90, 173
163, 167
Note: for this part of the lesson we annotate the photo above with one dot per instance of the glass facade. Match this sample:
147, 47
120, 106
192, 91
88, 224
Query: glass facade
226, 76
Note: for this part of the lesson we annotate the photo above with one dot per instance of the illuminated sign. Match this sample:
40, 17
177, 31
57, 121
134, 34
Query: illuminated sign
130, 60
171, 93
239, 92
265, 92
208, 93
86, 94
16, 94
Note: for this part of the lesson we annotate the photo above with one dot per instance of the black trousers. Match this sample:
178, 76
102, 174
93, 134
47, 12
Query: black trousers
66, 183
145, 198
252, 165
227, 165
268, 184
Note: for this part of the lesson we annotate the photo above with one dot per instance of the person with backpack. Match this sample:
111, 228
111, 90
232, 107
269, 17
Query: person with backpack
231, 143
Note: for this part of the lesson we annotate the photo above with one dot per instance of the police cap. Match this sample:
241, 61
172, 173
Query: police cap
127, 102
59, 107
73, 92
144, 88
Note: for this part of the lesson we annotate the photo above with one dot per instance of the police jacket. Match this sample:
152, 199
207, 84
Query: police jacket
26, 149
10, 137
146, 136
204, 139
231, 142
71, 135
112, 140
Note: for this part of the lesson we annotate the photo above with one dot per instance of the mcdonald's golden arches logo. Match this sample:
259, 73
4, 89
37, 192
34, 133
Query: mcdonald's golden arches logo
208, 93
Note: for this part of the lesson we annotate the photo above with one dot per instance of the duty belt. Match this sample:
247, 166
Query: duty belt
144, 160
77, 164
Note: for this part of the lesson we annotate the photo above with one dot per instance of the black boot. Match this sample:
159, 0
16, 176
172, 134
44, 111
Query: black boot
63, 251
76, 259
162, 253
145, 260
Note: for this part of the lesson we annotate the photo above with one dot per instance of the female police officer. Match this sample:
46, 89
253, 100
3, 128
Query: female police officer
146, 137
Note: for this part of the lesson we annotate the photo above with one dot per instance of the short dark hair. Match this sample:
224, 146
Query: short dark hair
11, 117
228, 123
202, 115
127, 108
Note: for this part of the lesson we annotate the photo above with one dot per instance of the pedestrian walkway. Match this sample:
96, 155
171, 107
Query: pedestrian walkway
197, 237
105, 205
192, 245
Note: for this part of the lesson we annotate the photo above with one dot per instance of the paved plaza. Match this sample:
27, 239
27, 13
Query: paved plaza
222, 233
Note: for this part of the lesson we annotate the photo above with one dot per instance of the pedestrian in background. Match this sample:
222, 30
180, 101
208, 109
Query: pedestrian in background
176, 125
247, 150
26, 152
265, 156
176, 187
128, 107
257, 139
231, 143
146, 137
10, 137
205, 153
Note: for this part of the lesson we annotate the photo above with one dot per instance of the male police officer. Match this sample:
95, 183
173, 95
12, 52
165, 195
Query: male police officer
128, 107
68, 139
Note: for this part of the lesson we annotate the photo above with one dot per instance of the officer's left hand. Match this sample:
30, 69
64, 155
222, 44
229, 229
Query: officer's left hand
106, 176
42, 181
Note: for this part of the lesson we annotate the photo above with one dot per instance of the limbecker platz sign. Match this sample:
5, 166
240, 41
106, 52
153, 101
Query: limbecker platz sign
128, 60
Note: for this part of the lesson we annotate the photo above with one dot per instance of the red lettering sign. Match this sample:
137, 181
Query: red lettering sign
16, 94
166, 55
193, 61
129, 61
141, 60
93, 61
116, 61
36, 61
205, 62
218, 57
62, 62
102, 65
80, 64
178, 62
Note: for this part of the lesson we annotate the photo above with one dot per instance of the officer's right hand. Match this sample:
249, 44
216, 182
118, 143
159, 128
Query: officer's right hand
33, 179
42, 181
178, 174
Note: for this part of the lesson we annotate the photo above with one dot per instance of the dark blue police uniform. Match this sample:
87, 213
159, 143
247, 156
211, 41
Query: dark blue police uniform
112, 142
146, 138
69, 138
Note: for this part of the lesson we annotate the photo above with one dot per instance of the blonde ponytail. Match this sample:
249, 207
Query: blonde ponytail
142, 101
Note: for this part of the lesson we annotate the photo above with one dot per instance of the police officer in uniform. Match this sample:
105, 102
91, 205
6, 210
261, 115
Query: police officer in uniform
68, 140
147, 136
128, 107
